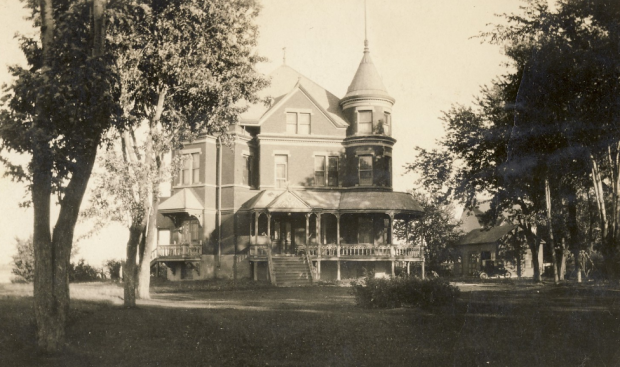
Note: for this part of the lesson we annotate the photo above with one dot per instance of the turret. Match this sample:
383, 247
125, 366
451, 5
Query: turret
368, 108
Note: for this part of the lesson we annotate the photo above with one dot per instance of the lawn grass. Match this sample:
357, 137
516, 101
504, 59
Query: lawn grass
195, 325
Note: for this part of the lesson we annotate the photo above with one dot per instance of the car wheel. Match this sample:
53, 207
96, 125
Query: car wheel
507, 275
483, 275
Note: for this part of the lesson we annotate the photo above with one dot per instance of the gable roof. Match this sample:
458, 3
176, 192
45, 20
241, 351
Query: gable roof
482, 236
284, 81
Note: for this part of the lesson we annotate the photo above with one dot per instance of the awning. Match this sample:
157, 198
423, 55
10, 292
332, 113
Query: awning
184, 201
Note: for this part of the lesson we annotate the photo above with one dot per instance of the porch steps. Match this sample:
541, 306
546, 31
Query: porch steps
291, 271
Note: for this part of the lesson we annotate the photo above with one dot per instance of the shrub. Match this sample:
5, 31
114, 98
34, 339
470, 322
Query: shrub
23, 261
113, 268
404, 291
83, 272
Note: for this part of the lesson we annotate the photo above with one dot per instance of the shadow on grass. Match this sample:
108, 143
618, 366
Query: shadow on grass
321, 326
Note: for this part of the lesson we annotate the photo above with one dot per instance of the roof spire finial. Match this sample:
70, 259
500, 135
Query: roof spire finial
283, 55
366, 49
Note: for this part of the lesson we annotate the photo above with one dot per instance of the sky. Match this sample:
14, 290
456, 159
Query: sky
423, 50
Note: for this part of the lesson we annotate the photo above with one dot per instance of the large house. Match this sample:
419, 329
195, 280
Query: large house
304, 192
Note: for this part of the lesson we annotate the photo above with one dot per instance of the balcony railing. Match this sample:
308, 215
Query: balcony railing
177, 251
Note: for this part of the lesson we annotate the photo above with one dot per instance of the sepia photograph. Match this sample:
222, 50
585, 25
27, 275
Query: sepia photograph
310, 183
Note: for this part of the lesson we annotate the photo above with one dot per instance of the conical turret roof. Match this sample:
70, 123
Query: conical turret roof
367, 81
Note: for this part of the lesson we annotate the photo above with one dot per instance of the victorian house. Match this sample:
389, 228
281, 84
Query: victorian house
304, 192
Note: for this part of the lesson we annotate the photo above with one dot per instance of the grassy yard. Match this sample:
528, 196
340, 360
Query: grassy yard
195, 324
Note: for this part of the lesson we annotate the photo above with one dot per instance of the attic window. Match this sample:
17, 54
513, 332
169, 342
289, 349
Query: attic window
298, 123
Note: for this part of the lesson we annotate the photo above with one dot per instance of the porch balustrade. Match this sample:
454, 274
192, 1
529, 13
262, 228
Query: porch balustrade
177, 251
354, 251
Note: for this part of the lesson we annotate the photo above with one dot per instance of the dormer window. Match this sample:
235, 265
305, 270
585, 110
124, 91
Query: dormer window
364, 122
298, 123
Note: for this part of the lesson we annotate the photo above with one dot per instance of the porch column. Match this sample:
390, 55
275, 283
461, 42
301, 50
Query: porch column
255, 270
337, 246
407, 231
408, 267
268, 227
307, 231
392, 250
256, 215
422, 269
318, 239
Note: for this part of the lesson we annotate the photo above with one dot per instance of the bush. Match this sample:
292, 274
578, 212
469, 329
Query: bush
113, 268
404, 291
23, 262
83, 272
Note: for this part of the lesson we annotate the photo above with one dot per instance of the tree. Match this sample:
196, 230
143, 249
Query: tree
58, 112
183, 67
436, 229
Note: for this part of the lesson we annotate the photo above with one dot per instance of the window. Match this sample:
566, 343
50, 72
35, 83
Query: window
190, 172
291, 122
281, 171
188, 233
364, 226
319, 170
332, 171
365, 170
387, 123
388, 171
298, 123
364, 122
164, 237
247, 170
325, 171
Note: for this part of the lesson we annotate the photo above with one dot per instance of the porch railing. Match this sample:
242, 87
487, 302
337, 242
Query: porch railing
365, 250
358, 251
177, 251
259, 251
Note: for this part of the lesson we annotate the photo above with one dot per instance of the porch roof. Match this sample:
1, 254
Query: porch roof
183, 200
490, 235
333, 200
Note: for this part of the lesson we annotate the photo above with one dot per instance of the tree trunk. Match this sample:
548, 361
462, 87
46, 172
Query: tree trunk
130, 270
145, 260
534, 244
50, 314
556, 279
573, 231
562, 274
153, 163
